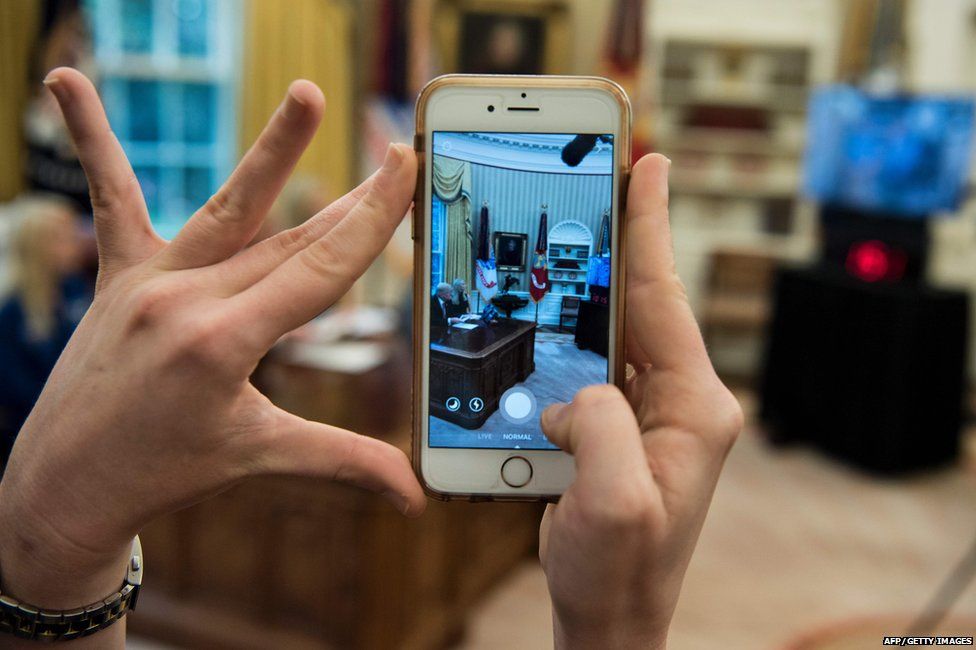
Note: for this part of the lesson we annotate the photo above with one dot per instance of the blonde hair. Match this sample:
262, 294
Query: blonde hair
34, 278
456, 292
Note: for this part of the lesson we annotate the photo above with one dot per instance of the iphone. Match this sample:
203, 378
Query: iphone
518, 299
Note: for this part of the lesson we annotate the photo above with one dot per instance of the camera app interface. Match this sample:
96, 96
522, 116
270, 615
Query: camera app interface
520, 281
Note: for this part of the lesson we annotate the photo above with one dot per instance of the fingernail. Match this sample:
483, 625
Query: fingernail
290, 106
393, 158
669, 161
400, 502
554, 414
53, 84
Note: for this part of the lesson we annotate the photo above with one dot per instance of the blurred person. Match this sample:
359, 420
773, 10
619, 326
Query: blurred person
45, 303
460, 305
100, 456
52, 165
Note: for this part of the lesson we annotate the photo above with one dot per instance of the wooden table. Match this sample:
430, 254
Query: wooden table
480, 363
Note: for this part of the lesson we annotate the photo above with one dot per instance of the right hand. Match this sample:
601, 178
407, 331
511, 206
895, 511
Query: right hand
616, 546
149, 408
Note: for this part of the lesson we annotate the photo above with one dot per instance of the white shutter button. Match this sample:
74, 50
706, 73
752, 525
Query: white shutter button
516, 471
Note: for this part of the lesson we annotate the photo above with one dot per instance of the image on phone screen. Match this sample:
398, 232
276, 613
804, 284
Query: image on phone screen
520, 277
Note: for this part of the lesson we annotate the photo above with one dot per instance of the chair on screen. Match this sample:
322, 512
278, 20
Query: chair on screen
569, 313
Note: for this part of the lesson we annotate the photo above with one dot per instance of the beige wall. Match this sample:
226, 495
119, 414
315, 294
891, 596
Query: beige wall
941, 45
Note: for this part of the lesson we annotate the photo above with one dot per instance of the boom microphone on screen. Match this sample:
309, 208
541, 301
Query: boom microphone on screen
579, 147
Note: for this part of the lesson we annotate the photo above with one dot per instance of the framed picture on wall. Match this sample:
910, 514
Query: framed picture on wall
511, 251
498, 43
504, 36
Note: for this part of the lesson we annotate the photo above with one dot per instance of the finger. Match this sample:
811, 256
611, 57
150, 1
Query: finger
661, 328
303, 448
313, 279
122, 223
234, 214
599, 429
252, 264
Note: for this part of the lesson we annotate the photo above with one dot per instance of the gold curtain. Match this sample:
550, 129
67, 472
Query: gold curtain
452, 184
458, 260
309, 39
18, 28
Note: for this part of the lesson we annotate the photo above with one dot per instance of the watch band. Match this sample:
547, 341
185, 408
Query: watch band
28, 622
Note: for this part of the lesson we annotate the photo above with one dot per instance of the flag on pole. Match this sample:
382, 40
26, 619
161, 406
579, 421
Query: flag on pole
540, 261
603, 246
486, 276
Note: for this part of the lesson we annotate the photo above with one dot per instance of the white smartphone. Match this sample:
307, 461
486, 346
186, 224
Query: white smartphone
518, 274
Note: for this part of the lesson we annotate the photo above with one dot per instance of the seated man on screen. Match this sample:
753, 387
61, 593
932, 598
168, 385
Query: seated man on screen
441, 309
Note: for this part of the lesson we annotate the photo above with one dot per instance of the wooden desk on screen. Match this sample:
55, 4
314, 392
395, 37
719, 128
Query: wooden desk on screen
483, 362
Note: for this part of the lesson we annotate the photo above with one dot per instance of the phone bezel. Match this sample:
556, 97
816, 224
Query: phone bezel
459, 103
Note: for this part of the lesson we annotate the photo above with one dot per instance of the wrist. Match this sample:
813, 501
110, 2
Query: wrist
41, 565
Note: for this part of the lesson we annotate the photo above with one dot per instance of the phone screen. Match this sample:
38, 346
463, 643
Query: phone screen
520, 275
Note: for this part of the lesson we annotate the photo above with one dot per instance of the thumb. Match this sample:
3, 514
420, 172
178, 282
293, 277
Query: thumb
600, 430
304, 448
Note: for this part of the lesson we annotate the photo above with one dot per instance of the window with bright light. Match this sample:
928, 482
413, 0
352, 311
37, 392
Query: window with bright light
438, 232
168, 72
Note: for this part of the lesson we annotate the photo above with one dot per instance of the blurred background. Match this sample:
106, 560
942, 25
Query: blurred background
823, 224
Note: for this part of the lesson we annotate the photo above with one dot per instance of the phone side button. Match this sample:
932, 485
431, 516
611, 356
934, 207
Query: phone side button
516, 471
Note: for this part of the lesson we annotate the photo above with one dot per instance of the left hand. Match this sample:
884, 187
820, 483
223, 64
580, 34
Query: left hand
149, 408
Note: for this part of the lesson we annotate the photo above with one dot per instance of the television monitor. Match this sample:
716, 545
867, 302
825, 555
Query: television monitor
891, 155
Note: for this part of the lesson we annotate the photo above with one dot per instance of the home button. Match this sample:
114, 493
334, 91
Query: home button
516, 471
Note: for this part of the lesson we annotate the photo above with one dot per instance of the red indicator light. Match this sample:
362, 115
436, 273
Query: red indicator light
873, 261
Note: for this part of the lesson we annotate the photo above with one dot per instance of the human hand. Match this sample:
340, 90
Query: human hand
616, 546
149, 408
